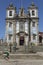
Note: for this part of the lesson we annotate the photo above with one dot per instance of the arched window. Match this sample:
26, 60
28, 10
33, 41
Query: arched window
21, 26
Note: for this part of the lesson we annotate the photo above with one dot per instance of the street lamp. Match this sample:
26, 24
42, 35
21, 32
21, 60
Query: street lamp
29, 26
26, 46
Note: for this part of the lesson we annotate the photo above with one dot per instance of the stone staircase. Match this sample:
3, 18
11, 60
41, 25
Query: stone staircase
20, 49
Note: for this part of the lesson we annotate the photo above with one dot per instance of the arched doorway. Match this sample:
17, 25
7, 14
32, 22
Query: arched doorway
21, 40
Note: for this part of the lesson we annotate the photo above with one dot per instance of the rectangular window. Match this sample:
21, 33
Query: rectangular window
10, 13
34, 36
33, 24
33, 12
10, 24
10, 36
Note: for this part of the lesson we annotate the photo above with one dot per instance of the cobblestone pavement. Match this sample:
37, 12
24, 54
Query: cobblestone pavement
21, 62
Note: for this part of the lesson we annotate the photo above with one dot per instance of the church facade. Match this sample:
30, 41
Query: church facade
22, 27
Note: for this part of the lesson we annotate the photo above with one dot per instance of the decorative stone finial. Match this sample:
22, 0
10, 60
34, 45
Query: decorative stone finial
33, 4
11, 4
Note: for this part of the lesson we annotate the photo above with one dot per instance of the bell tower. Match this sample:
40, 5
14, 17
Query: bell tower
10, 24
33, 10
10, 11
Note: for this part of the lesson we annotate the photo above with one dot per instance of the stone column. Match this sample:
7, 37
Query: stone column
6, 32
37, 33
14, 31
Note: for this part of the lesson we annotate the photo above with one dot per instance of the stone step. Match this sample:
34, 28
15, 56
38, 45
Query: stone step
21, 48
25, 57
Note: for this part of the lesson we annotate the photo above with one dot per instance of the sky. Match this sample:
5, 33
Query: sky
18, 3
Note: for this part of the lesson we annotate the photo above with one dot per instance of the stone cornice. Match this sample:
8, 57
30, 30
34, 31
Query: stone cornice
21, 18
12, 8
32, 7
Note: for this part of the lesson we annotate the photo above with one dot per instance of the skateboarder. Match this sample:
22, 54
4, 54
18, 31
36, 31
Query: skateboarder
7, 54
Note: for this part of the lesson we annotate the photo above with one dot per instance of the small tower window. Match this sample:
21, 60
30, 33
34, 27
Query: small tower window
34, 36
10, 13
33, 12
33, 24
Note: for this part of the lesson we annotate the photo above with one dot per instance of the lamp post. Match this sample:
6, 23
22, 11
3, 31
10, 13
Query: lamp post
29, 26
29, 30
26, 46
30, 44
14, 48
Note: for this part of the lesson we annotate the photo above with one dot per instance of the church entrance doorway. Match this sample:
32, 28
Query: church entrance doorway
21, 40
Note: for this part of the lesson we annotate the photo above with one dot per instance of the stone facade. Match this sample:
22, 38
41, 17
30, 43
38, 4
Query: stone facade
22, 28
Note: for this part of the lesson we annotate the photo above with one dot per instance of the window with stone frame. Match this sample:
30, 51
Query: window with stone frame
21, 26
33, 24
10, 36
33, 13
10, 13
34, 36
10, 24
